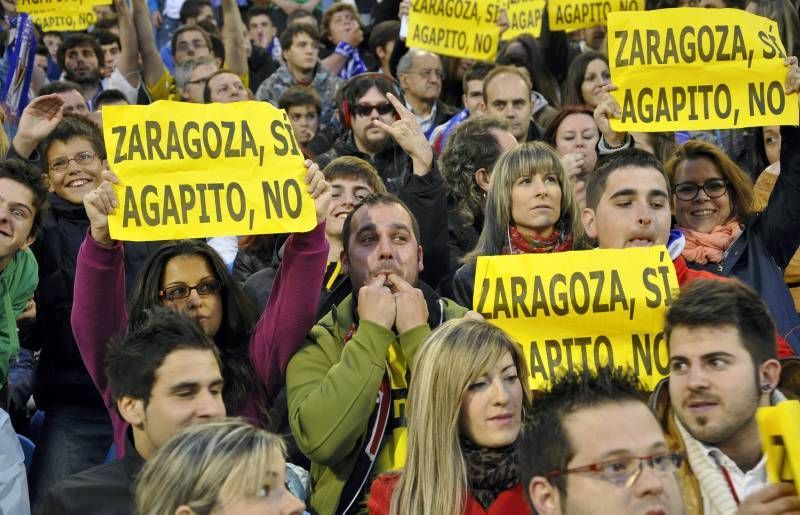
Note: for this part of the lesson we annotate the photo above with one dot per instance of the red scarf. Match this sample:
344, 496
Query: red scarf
521, 244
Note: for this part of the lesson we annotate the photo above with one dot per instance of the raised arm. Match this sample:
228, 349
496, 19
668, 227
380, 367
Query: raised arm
233, 34
152, 65
292, 306
128, 64
779, 224
98, 307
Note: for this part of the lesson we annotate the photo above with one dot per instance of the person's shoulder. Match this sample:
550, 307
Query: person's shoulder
102, 480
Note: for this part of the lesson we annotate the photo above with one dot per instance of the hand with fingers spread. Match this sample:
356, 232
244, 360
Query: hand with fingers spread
37, 121
319, 189
773, 499
792, 84
606, 109
412, 310
100, 203
409, 136
376, 303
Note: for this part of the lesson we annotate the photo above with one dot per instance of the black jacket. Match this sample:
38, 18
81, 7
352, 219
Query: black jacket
424, 195
107, 489
61, 377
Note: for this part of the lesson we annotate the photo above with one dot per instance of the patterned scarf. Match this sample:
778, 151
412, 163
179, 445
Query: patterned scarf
490, 472
559, 241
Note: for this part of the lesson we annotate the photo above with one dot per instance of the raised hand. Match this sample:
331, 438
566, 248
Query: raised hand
37, 121
99, 203
408, 134
606, 109
773, 499
319, 189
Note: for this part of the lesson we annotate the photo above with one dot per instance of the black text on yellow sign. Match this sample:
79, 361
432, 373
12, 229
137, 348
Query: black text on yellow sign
780, 441
677, 71
569, 313
459, 28
580, 14
205, 170
524, 17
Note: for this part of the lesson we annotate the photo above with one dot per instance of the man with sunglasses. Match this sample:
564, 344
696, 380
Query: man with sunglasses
590, 445
383, 132
723, 367
77, 433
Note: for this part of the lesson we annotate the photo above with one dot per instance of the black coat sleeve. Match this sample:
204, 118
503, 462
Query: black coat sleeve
426, 198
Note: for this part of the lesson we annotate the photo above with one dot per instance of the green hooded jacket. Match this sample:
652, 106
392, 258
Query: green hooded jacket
18, 281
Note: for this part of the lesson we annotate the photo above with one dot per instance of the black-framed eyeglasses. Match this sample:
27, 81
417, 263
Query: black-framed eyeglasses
366, 109
714, 188
62, 163
623, 472
181, 291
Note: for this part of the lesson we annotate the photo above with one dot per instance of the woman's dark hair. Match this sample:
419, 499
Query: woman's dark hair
543, 80
238, 315
575, 75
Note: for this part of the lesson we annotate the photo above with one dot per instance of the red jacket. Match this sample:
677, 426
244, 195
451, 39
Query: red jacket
687, 275
510, 502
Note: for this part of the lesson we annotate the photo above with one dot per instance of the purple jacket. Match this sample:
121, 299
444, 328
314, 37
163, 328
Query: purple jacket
99, 312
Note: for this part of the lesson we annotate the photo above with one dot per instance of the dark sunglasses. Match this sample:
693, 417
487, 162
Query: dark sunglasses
366, 109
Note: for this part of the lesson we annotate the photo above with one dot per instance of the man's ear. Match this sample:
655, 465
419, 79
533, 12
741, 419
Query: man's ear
544, 497
483, 178
401, 78
769, 373
184, 510
419, 258
132, 410
380, 53
589, 222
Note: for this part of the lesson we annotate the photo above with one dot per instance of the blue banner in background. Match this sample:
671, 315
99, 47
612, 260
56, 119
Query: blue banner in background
16, 86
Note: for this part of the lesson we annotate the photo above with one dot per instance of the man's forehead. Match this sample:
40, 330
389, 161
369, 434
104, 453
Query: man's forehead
639, 179
16, 192
83, 47
390, 214
259, 19
507, 86
612, 428
183, 366
190, 34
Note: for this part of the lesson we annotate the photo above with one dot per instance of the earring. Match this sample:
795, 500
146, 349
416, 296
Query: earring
766, 387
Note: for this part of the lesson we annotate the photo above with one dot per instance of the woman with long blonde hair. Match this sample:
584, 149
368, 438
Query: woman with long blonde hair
530, 208
465, 409
225, 467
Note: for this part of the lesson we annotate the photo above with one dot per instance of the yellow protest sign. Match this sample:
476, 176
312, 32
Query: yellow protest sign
61, 20
37, 6
524, 17
580, 14
679, 71
193, 170
459, 28
780, 441
582, 309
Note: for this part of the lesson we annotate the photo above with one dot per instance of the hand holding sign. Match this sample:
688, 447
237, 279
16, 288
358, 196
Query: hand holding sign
100, 203
319, 189
408, 134
411, 308
376, 303
793, 75
607, 109
777, 499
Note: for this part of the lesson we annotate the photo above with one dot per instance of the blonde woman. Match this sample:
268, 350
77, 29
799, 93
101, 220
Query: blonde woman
220, 468
530, 208
465, 405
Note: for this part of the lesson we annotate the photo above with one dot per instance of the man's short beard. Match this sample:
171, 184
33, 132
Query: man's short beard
92, 80
373, 147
